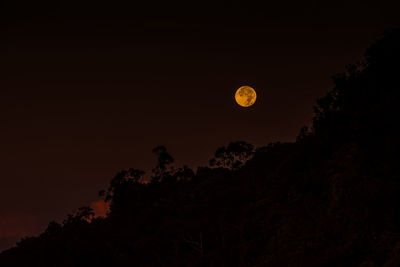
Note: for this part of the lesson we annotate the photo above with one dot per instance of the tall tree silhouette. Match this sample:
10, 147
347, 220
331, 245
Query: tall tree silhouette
164, 160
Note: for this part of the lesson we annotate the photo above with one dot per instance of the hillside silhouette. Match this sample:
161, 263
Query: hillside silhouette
332, 198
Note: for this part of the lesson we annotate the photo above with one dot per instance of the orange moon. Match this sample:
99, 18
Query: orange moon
245, 96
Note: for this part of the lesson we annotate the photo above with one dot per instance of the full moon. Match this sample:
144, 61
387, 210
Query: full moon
245, 96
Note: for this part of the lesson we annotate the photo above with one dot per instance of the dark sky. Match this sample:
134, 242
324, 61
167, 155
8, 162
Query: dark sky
88, 89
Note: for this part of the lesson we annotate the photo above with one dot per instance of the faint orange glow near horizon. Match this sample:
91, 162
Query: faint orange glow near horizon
100, 208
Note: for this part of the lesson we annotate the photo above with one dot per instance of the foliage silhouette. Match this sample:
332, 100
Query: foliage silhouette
233, 156
164, 159
329, 199
83, 214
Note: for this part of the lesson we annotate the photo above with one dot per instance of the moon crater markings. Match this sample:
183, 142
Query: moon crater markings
245, 96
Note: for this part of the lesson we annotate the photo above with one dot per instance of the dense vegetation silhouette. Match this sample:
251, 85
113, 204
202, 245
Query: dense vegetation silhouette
332, 198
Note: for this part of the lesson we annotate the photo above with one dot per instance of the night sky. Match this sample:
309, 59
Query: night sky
89, 89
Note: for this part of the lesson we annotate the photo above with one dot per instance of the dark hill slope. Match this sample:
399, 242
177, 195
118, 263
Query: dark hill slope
332, 198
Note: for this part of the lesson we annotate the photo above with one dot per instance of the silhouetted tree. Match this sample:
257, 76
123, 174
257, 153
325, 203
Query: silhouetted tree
303, 134
233, 156
183, 174
83, 214
53, 229
164, 160
125, 176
